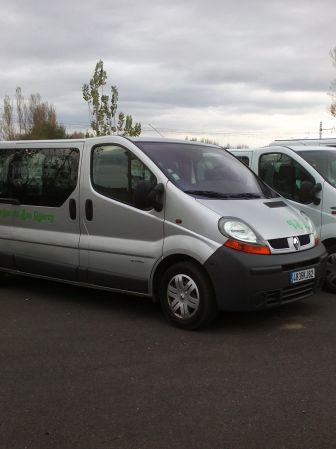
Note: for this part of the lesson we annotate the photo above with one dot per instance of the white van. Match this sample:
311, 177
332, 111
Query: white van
306, 176
182, 222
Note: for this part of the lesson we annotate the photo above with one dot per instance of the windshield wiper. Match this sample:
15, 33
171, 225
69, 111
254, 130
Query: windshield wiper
213, 194
207, 193
246, 195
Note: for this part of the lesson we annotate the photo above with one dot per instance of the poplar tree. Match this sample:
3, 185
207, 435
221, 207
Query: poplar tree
103, 109
332, 92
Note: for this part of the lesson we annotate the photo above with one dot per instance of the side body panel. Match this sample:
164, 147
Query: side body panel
196, 234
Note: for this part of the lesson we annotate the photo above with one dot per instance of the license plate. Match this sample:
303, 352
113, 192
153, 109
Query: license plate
303, 275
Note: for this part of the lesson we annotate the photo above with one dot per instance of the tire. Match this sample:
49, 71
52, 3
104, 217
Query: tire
330, 281
186, 296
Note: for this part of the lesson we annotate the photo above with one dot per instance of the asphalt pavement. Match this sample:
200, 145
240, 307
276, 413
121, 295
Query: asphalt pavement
88, 369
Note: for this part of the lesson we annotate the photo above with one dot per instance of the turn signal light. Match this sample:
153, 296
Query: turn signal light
316, 241
247, 247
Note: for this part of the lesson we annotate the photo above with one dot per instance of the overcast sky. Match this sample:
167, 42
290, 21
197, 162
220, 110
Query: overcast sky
238, 71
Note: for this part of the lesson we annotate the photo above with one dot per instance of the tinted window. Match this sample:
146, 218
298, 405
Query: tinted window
283, 174
205, 171
116, 172
41, 177
6, 157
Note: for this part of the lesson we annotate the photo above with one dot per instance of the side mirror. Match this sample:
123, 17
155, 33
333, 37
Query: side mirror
156, 197
317, 188
308, 192
147, 196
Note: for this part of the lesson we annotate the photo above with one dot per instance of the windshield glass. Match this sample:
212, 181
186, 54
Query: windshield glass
324, 161
206, 171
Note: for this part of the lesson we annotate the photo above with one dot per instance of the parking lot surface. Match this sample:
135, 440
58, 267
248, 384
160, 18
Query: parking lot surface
89, 369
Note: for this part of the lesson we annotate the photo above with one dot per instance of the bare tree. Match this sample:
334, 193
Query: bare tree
7, 124
332, 91
35, 119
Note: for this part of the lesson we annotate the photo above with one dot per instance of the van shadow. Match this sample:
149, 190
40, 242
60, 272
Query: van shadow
143, 307
293, 316
73, 296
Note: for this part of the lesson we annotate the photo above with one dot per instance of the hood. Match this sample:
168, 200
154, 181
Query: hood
270, 218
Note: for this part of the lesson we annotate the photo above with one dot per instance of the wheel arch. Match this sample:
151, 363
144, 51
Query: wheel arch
166, 263
330, 242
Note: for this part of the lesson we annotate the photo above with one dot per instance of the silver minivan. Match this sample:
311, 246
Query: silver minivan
185, 223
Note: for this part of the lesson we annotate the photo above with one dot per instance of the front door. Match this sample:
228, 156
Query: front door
285, 175
119, 243
44, 179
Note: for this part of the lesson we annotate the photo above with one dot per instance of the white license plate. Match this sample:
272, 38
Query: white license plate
303, 275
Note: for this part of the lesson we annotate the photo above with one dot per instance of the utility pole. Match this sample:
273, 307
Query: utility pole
324, 129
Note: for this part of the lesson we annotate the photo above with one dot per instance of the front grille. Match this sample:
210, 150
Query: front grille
282, 243
279, 243
289, 294
304, 239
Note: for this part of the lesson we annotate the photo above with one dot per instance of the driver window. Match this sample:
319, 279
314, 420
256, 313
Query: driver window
283, 174
116, 172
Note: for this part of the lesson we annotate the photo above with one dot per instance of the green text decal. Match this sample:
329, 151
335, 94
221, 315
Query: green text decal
27, 215
298, 224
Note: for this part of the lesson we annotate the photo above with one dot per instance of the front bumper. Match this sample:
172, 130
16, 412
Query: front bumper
245, 281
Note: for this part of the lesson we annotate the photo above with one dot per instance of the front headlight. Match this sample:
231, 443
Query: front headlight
237, 230
309, 224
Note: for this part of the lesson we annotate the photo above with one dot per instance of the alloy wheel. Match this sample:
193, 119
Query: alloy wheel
183, 296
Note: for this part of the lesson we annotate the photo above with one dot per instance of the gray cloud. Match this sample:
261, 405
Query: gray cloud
218, 60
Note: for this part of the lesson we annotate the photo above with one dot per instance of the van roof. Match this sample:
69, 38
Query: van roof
302, 147
290, 147
329, 141
105, 139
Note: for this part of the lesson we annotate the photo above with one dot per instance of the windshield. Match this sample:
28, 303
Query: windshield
324, 161
206, 171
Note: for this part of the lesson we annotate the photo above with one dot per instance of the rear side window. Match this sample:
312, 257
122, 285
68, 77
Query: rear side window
115, 172
40, 177
244, 159
283, 174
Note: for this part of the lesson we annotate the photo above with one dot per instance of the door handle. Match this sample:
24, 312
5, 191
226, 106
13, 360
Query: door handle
72, 209
89, 210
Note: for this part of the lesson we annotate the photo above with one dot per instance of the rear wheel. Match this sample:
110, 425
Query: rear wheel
330, 281
187, 297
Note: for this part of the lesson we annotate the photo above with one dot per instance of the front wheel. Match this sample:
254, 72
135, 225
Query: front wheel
187, 297
330, 281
